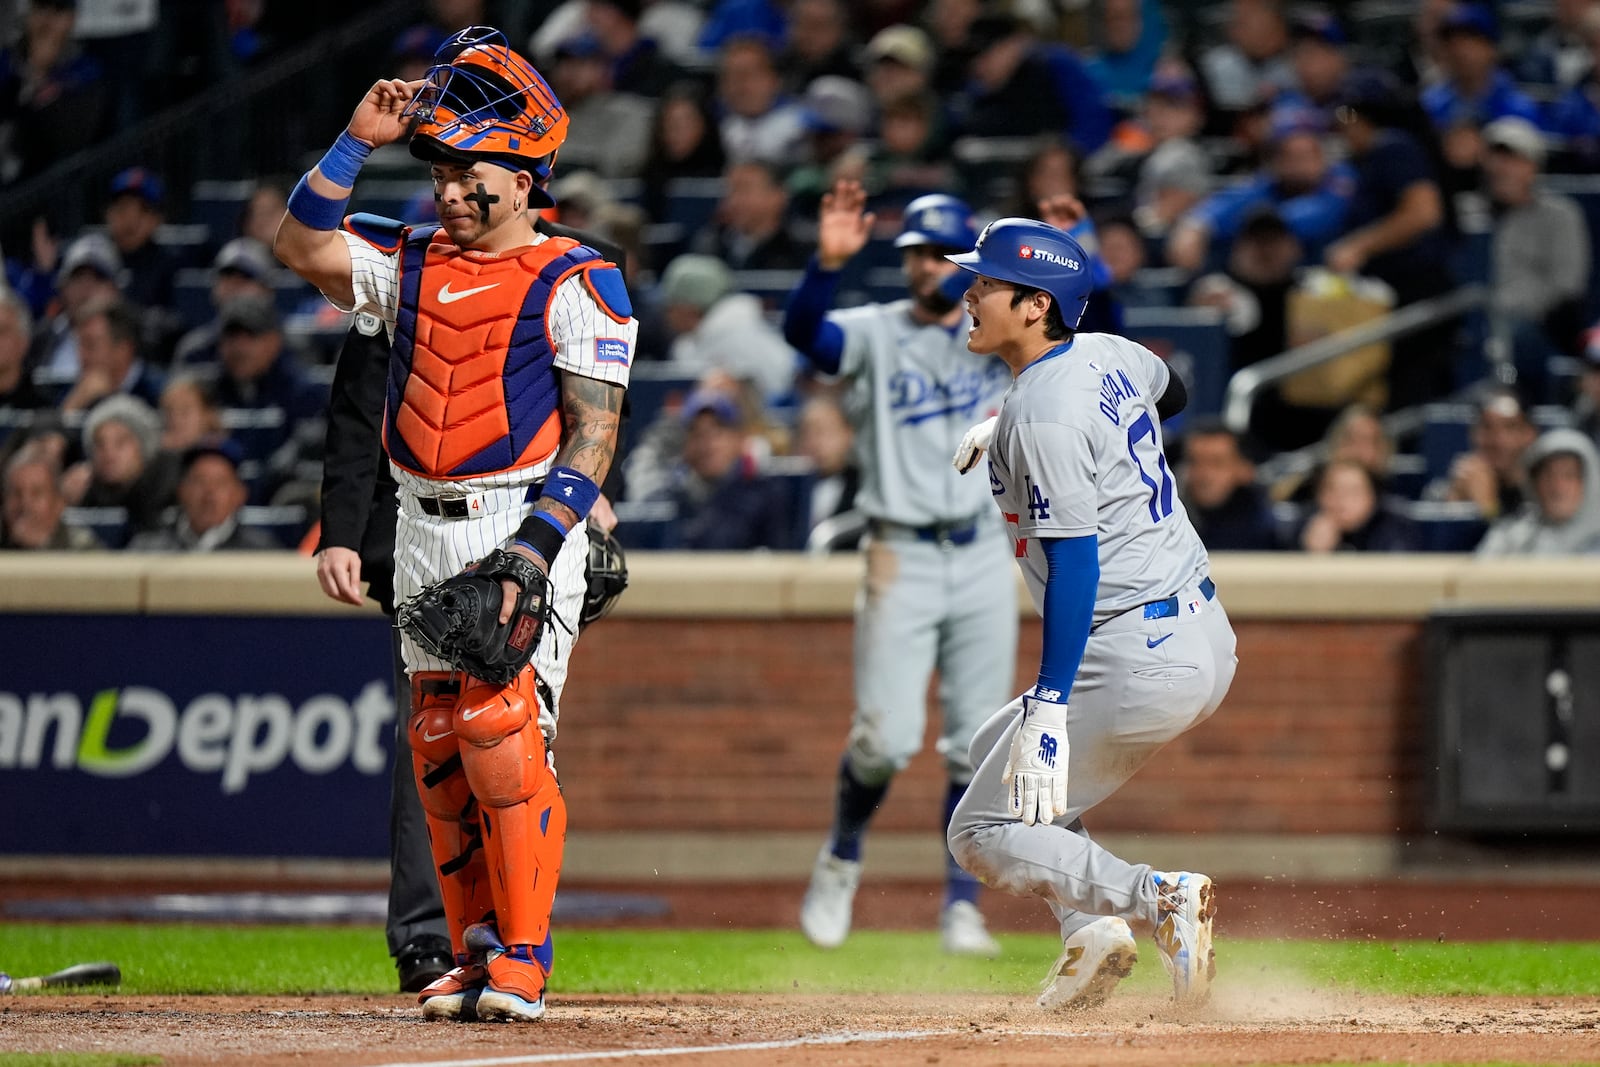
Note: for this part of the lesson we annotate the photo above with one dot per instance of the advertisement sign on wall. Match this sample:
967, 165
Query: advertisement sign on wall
191, 735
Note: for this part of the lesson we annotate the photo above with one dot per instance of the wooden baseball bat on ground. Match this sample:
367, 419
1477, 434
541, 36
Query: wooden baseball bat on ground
79, 974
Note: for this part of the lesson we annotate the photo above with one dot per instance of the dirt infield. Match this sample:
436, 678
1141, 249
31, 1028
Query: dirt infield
1269, 1024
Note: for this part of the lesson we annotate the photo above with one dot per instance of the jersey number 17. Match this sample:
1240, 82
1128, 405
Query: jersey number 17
1160, 492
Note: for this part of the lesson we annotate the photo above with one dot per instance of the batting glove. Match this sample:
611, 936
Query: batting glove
974, 445
1036, 773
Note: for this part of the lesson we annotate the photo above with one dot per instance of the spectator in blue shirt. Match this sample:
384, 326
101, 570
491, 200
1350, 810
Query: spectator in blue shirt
1396, 231
1021, 86
1575, 115
1311, 196
1132, 33
1321, 62
1475, 90
259, 374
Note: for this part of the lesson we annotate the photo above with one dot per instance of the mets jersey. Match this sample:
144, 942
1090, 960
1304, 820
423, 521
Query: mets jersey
1077, 450
914, 391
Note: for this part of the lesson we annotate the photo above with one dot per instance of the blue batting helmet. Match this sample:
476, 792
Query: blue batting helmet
937, 219
1035, 254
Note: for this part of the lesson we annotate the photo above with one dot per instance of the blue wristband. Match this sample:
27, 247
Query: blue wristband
315, 210
343, 161
571, 489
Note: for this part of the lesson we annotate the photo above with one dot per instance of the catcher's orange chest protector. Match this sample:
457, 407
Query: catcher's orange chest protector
472, 382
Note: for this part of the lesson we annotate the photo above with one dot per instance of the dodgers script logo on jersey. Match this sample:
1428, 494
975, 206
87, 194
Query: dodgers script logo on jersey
915, 396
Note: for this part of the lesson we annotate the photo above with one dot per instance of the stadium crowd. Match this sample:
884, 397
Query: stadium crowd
1286, 167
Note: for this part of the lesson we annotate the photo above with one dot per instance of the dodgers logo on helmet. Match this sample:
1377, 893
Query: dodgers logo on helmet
1036, 254
937, 219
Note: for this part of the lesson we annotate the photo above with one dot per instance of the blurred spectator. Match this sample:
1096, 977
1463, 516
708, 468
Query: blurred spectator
716, 328
758, 122
837, 114
90, 273
1312, 197
723, 503
1051, 170
899, 63
1254, 58
1559, 56
1586, 405
818, 43
611, 130
109, 360
1357, 434
1350, 516
17, 391
126, 467
259, 374
1492, 474
1021, 86
33, 508
242, 267
825, 438
189, 414
1562, 516
210, 494
1541, 260
133, 214
685, 143
1575, 115
636, 63
52, 96
910, 157
749, 231
1122, 251
412, 52
1396, 232
1474, 89
1321, 63
119, 36
1217, 482
1132, 33
264, 210
1158, 154
731, 20
950, 23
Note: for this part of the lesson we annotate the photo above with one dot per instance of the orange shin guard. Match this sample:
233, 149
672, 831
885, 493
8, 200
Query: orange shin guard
523, 814
451, 814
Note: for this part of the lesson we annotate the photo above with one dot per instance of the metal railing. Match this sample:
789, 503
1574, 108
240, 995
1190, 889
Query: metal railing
1248, 383
260, 122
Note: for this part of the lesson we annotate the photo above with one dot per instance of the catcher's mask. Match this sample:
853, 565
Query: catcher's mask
608, 576
481, 100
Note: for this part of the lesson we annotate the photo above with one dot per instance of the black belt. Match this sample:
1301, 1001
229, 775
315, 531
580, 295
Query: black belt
1166, 609
958, 532
455, 507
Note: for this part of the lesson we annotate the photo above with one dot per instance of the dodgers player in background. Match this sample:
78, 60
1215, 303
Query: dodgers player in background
939, 589
1137, 647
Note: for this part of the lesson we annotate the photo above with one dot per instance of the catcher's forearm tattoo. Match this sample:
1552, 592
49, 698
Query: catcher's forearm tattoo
591, 415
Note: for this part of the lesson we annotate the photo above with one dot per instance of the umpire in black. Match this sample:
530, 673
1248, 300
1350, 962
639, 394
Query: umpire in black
359, 504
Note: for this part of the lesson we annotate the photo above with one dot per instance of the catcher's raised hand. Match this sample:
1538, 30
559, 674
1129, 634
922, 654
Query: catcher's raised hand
843, 226
378, 118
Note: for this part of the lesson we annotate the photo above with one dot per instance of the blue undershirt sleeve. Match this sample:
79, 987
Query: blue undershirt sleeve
805, 323
1069, 594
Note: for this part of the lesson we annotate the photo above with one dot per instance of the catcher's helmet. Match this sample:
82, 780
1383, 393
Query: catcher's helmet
608, 576
937, 219
1035, 254
481, 100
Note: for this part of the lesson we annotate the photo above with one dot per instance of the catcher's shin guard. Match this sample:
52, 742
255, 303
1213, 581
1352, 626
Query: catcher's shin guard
523, 813
451, 813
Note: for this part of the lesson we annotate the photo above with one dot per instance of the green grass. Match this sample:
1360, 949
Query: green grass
173, 958
75, 1059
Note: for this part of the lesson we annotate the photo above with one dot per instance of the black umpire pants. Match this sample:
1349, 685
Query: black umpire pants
415, 909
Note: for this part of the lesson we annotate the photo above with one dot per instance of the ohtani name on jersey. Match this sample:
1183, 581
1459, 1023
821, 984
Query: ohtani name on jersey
1114, 389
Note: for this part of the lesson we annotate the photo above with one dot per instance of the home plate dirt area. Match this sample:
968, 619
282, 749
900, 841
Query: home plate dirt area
1266, 1025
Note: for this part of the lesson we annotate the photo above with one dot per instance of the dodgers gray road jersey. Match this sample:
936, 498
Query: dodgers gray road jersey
1078, 451
914, 391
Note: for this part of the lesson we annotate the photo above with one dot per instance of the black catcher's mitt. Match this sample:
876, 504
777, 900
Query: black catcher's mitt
458, 619
607, 573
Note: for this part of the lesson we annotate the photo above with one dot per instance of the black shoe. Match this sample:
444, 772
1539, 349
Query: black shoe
421, 961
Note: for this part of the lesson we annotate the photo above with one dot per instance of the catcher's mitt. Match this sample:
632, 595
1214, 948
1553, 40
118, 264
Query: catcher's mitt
458, 619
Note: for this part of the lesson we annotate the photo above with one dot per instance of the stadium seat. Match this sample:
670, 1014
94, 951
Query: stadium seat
287, 524
644, 525
109, 525
1446, 433
1447, 525
692, 201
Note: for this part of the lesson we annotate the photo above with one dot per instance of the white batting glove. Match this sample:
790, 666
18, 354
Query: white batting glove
974, 445
1036, 773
